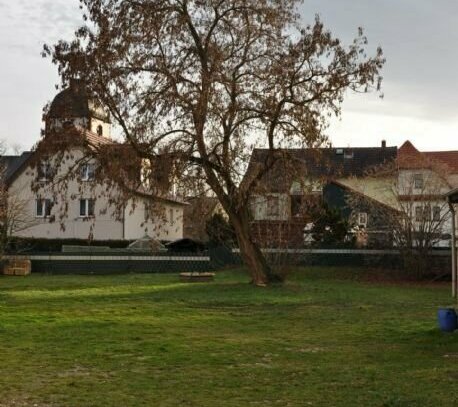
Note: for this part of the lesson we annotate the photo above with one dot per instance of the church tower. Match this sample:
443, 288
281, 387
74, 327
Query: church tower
73, 107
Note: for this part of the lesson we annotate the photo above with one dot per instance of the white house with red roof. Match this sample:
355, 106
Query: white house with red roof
396, 179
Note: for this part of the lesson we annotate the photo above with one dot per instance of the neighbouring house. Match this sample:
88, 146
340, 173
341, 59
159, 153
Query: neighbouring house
304, 179
367, 185
424, 177
196, 215
413, 188
89, 211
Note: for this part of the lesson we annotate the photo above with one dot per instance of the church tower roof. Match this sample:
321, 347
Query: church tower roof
73, 102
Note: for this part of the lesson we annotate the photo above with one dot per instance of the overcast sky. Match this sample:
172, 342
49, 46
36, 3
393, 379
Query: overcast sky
419, 39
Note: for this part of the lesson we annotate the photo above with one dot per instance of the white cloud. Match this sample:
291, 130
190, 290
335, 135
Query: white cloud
418, 37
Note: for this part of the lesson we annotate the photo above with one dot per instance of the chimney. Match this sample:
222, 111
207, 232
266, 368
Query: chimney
383, 143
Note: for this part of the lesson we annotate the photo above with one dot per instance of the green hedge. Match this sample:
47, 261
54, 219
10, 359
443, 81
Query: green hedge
55, 245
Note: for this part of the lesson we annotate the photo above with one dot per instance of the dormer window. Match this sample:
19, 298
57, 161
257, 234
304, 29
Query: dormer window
100, 130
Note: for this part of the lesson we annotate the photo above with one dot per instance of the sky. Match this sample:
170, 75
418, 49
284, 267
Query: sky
419, 39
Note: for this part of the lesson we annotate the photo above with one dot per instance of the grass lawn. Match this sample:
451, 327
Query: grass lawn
326, 338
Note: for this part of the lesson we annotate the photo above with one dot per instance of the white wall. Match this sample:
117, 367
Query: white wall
159, 224
106, 127
65, 221
259, 206
433, 183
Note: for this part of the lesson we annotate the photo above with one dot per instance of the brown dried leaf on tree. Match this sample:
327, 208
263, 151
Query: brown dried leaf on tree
203, 82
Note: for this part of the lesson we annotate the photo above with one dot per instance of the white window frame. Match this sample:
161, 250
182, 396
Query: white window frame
87, 206
99, 130
46, 207
436, 211
44, 171
362, 219
419, 214
87, 172
418, 181
270, 206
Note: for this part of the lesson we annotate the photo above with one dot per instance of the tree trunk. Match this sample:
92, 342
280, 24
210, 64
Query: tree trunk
258, 267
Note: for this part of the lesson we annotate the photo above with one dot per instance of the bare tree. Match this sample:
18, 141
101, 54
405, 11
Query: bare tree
410, 205
202, 82
15, 216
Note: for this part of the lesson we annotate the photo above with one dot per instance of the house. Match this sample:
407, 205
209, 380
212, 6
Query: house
411, 188
368, 186
304, 179
83, 209
196, 215
423, 180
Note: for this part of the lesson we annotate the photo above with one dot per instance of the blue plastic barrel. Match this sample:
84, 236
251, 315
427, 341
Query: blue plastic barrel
447, 319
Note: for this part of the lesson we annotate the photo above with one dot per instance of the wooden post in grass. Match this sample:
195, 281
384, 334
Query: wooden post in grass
454, 259
452, 198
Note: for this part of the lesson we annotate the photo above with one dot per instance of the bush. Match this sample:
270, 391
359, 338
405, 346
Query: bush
55, 245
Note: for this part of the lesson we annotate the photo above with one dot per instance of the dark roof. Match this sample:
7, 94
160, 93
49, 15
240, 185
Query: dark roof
452, 196
320, 163
74, 102
12, 163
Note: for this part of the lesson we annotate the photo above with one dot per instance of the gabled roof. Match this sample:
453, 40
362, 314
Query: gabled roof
10, 164
450, 158
321, 163
379, 190
411, 158
14, 165
452, 196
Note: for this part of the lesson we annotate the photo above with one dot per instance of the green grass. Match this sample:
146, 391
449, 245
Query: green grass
326, 338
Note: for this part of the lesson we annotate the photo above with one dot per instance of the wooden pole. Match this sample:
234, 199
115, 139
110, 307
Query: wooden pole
454, 260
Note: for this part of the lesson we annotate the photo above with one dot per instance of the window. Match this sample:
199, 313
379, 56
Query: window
418, 213
436, 214
43, 208
427, 213
87, 172
423, 213
362, 219
418, 182
44, 171
296, 205
147, 212
273, 209
171, 217
100, 130
87, 207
